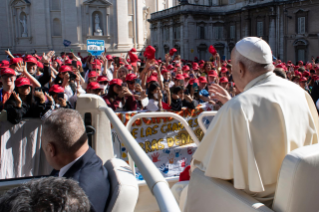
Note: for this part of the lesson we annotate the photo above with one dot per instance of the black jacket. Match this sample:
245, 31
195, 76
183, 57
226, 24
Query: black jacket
92, 177
178, 104
315, 92
45, 77
15, 114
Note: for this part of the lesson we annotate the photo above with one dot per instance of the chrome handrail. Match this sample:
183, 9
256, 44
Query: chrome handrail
201, 116
153, 177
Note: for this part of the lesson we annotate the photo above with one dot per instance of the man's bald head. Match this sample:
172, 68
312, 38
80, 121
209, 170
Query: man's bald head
65, 129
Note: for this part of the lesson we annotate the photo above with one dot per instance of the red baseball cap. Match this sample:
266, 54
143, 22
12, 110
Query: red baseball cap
152, 79
78, 63
186, 76
15, 60
300, 62
224, 70
164, 71
177, 65
109, 57
195, 66
185, 68
40, 65
212, 73
133, 59
201, 65
94, 86
128, 67
22, 81
92, 74
192, 81
202, 79
56, 89
96, 62
94, 67
223, 80
149, 52
68, 62
116, 82
133, 50
130, 77
7, 71
64, 68
179, 77
306, 74
5, 63
303, 79
170, 67
102, 79
58, 61
31, 60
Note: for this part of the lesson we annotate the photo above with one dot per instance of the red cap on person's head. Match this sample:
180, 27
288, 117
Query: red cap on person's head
149, 52
300, 62
56, 89
92, 74
65, 68
5, 63
224, 70
195, 66
116, 82
102, 79
229, 61
279, 66
130, 77
94, 86
109, 57
202, 62
177, 65
31, 60
303, 79
179, 77
289, 61
96, 62
40, 65
22, 81
185, 68
212, 73
152, 79
133, 50
164, 71
78, 63
186, 76
192, 81
306, 74
128, 67
170, 67
15, 60
223, 80
201, 65
133, 59
58, 61
202, 79
96, 67
172, 51
68, 62
212, 50
7, 71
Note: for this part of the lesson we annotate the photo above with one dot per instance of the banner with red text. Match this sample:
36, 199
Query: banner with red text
165, 140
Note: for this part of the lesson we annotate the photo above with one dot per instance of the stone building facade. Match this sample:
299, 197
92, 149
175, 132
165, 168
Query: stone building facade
44, 24
290, 27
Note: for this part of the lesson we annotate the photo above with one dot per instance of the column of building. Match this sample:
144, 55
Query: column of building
159, 32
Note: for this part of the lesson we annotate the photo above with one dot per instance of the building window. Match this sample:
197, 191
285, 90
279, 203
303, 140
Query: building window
130, 7
130, 29
210, 2
231, 1
201, 32
232, 32
218, 32
166, 49
301, 25
301, 54
177, 32
260, 29
154, 35
57, 27
55, 5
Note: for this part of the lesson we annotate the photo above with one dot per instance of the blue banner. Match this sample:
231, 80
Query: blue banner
95, 47
66, 43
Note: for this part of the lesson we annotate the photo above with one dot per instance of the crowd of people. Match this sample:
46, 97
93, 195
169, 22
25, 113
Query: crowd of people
33, 85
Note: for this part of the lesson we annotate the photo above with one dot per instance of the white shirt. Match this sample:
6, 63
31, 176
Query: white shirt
65, 168
152, 105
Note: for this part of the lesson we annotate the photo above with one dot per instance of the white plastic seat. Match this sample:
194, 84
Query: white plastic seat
297, 188
124, 188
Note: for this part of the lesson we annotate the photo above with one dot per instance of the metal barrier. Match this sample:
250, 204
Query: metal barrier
201, 116
159, 115
153, 177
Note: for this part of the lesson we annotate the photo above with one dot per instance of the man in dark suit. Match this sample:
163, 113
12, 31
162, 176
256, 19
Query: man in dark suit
65, 144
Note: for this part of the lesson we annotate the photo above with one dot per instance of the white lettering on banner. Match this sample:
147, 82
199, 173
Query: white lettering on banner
164, 140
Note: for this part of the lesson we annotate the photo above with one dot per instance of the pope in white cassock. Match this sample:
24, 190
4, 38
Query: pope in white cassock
251, 134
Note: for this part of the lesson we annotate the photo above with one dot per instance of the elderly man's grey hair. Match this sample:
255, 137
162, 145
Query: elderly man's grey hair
65, 128
46, 194
253, 66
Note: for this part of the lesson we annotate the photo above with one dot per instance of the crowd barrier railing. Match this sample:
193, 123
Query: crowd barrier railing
154, 179
201, 116
160, 115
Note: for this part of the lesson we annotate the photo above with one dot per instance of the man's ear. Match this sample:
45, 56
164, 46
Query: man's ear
52, 149
242, 70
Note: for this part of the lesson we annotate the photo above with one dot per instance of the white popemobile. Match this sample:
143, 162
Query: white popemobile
297, 188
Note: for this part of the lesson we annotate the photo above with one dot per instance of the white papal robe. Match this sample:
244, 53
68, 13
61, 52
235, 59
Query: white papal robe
251, 134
